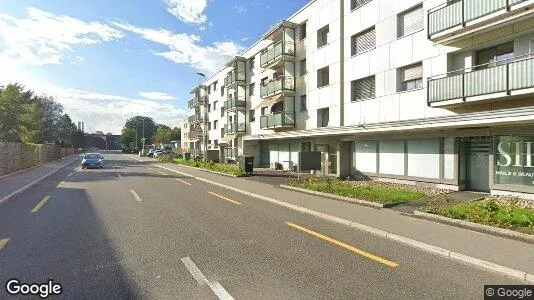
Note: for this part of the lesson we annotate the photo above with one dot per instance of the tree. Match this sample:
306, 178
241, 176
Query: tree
140, 124
164, 134
128, 138
78, 139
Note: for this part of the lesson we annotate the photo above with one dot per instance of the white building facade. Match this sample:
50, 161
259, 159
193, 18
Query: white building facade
429, 92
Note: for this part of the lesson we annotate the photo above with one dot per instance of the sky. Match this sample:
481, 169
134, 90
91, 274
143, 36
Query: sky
108, 60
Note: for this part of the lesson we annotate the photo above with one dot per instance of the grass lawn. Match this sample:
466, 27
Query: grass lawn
371, 192
217, 167
489, 212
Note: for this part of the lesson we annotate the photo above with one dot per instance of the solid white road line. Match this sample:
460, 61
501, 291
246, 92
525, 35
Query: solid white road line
135, 196
216, 287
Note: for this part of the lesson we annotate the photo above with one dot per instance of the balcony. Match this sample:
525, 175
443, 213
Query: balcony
234, 103
496, 81
280, 119
195, 118
275, 54
235, 128
197, 101
229, 153
454, 16
277, 86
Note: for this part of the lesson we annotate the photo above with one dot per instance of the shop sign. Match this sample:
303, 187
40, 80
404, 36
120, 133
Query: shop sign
513, 161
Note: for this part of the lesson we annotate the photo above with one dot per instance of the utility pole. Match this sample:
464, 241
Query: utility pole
143, 136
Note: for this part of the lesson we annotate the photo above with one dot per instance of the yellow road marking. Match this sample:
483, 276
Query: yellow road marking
40, 204
3, 242
346, 246
224, 198
184, 182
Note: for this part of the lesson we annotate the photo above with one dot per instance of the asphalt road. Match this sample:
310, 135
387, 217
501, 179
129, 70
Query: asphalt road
128, 231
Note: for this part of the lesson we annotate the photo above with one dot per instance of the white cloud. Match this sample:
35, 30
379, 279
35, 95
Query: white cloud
188, 11
187, 49
43, 38
156, 96
240, 9
99, 111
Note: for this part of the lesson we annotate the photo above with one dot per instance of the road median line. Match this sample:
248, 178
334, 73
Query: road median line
344, 245
522, 275
136, 196
40, 204
216, 287
224, 198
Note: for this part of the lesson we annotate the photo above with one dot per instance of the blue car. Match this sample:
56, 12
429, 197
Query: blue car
92, 160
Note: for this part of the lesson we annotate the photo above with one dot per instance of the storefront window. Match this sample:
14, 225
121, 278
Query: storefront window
513, 162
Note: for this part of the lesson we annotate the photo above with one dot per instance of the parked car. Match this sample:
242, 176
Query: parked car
92, 160
151, 152
158, 152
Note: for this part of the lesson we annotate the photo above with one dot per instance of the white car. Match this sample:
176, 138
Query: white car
158, 152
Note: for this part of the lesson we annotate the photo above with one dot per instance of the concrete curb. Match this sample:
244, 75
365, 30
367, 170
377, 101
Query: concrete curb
210, 171
335, 197
477, 227
377, 232
26, 187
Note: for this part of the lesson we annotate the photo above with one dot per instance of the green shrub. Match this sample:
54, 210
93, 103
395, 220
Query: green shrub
211, 165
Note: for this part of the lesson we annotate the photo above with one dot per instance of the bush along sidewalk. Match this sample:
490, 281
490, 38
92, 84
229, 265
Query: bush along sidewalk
373, 191
507, 213
210, 165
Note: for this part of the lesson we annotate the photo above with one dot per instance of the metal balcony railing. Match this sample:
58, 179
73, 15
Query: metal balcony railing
276, 86
277, 51
495, 77
459, 12
233, 128
234, 103
277, 119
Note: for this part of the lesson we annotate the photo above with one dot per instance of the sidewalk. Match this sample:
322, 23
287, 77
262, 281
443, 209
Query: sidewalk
506, 252
11, 185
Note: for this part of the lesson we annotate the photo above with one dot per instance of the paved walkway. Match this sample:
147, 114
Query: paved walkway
17, 181
499, 250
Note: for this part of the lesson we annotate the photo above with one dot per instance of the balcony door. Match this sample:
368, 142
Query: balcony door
495, 56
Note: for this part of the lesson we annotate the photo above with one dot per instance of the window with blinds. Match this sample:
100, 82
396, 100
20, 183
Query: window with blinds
362, 89
357, 3
363, 41
410, 21
411, 77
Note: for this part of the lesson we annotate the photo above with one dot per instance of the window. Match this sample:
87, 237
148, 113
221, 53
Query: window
363, 41
323, 77
263, 81
215, 124
215, 105
410, 21
357, 3
323, 116
209, 142
222, 112
411, 77
251, 63
216, 143
303, 106
322, 36
493, 56
264, 110
302, 31
215, 86
209, 107
302, 67
222, 132
305, 146
209, 89
209, 125
251, 89
222, 90
251, 115
363, 88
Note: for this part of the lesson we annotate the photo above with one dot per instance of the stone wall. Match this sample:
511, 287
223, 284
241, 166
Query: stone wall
20, 156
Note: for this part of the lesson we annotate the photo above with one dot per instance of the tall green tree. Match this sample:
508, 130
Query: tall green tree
142, 126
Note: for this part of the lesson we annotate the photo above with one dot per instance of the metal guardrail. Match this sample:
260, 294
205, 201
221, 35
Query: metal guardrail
501, 76
455, 13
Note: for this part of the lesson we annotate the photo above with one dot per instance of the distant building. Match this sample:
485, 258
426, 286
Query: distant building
103, 142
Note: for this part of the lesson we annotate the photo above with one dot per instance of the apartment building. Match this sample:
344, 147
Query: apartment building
429, 92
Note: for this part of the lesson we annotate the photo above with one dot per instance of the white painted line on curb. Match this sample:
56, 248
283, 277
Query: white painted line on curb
135, 196
216, 287
391, 236
29, 185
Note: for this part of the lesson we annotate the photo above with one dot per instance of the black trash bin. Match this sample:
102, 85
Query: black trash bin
187, 156
249, 164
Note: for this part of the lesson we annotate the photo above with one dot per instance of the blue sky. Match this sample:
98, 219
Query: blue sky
106, 61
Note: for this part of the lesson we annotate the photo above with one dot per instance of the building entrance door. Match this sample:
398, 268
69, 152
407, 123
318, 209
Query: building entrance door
478, 165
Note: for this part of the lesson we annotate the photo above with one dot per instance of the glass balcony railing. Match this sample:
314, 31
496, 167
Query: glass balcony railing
503, 76
195, 118
233, 128
276, 52
276, 86
234, 103
229, 153
233, 78
458, 12
195, 102
277, 119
